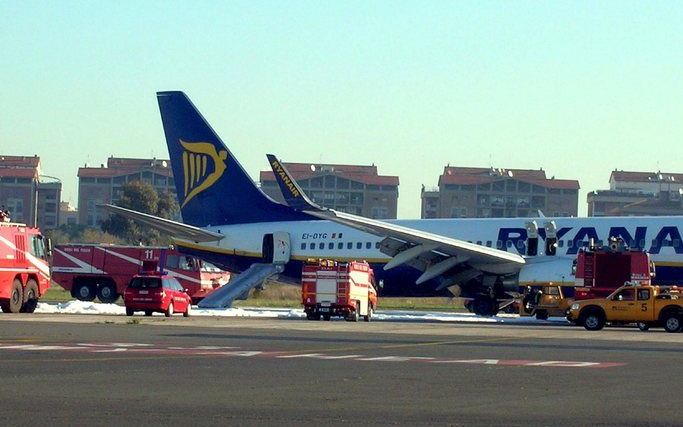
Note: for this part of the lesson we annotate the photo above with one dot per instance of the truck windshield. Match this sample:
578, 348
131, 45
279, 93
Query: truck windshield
145, 283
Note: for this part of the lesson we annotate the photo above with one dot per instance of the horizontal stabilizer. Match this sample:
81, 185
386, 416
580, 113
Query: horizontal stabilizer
176, 229
250, 278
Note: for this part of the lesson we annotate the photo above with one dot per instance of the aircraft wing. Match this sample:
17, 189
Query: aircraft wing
174, 228
434, 254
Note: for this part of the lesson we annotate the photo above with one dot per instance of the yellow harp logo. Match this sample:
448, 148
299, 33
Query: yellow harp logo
203, 165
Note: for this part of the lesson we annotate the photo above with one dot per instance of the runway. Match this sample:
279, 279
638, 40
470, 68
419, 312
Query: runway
103, 370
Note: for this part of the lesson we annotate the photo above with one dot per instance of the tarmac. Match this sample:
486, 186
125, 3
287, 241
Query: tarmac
107, 370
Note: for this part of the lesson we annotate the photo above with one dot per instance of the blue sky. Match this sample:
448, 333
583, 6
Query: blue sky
578, 88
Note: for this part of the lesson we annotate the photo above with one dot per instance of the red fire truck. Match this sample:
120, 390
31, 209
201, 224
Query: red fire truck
104, 271
24, 270
599, 271
330, 288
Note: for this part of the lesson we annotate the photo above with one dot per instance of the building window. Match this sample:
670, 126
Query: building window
379, 212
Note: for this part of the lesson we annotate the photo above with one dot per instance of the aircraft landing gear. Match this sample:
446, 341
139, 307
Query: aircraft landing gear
484, 306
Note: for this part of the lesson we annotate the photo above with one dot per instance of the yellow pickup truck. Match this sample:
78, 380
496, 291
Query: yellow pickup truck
646, 305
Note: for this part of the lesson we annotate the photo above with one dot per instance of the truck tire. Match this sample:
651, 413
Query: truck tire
542, 314
16, 299
353, 314
129, 311
169, 310
84, 291
671, 322
107, 293
30, 297
148, 313
187, 310
327, 317
592, 320
643, 326
313, 316
368, 317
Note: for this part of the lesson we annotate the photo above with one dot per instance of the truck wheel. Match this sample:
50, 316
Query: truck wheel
130, 311
672, 322
593, 320
312, 316
148, 313
353, 315
187, 310
85, 292
107, 293
16, 299
327, 317
369, 315
643, 326
30, 297
169, 310
542, 314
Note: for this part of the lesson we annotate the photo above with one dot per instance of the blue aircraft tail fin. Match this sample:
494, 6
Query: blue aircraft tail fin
212, 187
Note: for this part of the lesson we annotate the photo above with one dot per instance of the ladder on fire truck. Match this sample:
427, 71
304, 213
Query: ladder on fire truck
240, 286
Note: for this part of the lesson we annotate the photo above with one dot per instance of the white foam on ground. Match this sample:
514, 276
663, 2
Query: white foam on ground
81, 307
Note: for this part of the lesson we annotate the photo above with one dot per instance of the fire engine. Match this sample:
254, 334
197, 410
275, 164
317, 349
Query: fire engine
104, 271
330, 288
24, 270
598, 271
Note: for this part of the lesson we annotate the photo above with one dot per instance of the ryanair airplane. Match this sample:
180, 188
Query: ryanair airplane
230, 222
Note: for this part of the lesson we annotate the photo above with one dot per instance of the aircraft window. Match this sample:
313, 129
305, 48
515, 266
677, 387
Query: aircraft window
520, 244
560, 244
489, 243
677, 243
368, 245
340, 245
303, 246
359, 245
642, 243
340, 235
312, 246
509, 243
330, 245
377, 244
654, 243
321, 245
479, 242
349, 245
499, 244
600, 243
570, 243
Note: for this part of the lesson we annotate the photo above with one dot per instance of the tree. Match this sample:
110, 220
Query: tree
141, 197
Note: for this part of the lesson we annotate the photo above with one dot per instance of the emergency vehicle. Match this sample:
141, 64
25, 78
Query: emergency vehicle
598, 272
24, 270
156, 292
632, 303
330, 288
104, 271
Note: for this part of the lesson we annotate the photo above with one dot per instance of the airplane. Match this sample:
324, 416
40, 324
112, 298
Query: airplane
230, 222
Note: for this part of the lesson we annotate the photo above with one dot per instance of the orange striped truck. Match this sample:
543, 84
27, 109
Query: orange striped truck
330, 288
